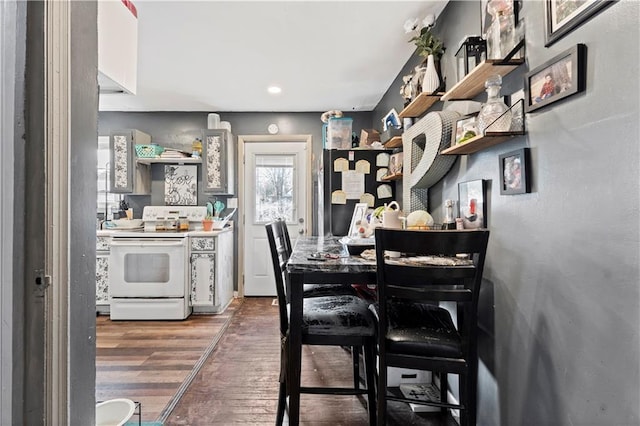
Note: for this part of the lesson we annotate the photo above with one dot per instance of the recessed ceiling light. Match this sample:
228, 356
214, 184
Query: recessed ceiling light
274, 90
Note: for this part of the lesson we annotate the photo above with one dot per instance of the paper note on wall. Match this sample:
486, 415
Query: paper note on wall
369, 199
338, 197
352, 184
384, 191
340, 165
382, 159
381, 173
363, 166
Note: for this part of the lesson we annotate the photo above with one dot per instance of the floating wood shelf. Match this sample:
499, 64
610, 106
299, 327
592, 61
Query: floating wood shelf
473, 83
419, 105
186, 160
394, 142
396, 176
480, 142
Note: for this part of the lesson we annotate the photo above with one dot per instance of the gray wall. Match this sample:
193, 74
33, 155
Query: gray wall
561, 303
82, 198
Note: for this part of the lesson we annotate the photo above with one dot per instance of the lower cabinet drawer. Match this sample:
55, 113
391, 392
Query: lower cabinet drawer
203, 244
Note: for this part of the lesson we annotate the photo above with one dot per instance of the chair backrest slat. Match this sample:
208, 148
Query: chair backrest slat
279, 258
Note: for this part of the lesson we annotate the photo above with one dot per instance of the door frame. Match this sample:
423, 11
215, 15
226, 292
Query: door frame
244, 139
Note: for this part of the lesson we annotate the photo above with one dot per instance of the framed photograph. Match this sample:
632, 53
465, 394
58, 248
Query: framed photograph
395, 163
359, 213
464, 129
471, 199
514, 172
560, 77
564, 16
391, 120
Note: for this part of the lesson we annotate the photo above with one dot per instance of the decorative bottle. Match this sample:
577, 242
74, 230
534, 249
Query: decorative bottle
494, 115
449, 220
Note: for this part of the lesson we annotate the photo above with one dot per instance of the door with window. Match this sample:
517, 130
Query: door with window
276, 185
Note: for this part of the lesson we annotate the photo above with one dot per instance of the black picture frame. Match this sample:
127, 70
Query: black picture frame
457, 131
560, 21
472, 196
514, 172
562, 76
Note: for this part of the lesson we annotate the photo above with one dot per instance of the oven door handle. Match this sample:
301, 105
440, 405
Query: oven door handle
146, 243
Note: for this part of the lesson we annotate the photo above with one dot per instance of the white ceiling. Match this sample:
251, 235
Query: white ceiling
222, 55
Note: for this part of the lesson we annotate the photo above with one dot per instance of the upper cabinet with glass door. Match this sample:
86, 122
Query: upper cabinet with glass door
218, 162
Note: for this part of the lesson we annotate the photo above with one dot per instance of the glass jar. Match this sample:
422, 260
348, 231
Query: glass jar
183, 223
494, 115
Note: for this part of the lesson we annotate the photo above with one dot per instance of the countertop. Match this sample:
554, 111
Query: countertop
200, 233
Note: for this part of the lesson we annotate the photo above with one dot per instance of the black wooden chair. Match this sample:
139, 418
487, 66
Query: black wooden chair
341, 320
320, 290
413, 330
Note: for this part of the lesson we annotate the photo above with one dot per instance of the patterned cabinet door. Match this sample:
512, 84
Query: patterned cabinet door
122, 159
126, 175
218, 162
102, 278
203, 274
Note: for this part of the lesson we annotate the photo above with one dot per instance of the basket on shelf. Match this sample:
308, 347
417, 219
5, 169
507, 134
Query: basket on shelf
149, 151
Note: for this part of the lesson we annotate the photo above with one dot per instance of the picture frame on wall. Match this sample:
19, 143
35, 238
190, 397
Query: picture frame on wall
395, 164
391, 120
563, 16
464, 128
514, 172
562, 76
471, 201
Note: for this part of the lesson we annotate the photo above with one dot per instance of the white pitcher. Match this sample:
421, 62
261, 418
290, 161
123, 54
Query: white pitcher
391, 217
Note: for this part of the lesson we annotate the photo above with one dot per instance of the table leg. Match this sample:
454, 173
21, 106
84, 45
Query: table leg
295, 346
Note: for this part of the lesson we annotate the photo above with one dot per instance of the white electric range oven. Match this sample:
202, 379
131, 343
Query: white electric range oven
149, 267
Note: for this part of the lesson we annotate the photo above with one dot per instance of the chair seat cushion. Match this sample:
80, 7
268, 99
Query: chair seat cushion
319, 290
422, 329
337, 316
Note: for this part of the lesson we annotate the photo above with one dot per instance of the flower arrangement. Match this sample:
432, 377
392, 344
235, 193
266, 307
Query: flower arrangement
426, 42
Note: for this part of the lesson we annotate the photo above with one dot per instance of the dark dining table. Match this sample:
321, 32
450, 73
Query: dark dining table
332, 264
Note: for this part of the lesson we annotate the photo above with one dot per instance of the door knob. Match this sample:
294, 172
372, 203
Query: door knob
301, 228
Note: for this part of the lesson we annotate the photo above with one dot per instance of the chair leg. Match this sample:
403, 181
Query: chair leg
370, 368
282, 404
468, 390
444, 389
382, 391
355, 353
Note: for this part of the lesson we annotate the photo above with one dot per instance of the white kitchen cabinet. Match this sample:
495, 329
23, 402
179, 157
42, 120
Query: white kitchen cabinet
102, 274
211, 259
218, 165
117, 47
127, 176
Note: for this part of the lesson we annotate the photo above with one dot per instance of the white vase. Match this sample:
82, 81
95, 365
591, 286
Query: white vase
430, 81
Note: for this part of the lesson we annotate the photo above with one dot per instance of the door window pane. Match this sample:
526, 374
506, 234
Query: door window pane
275, 192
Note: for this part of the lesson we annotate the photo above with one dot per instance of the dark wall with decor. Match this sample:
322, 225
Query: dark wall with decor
561, 300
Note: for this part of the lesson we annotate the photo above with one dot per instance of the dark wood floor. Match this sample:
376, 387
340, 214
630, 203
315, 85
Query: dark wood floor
238, 382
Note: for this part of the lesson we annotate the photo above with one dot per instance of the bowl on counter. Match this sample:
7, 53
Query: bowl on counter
355, 246
127, 223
